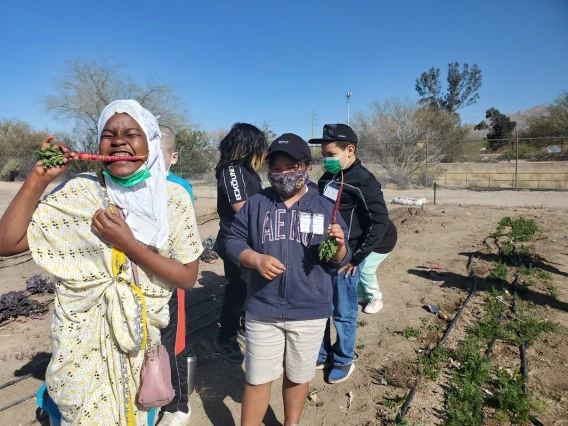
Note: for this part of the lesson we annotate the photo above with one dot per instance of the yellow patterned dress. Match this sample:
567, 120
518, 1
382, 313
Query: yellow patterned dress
98, 331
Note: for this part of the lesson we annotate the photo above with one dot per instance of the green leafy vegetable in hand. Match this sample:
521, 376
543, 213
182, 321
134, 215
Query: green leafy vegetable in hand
328, 247
50, 157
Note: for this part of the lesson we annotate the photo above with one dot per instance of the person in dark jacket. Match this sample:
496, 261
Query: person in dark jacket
363, 208
242, 155
277, 236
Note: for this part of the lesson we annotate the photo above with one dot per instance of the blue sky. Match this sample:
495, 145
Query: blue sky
256, 61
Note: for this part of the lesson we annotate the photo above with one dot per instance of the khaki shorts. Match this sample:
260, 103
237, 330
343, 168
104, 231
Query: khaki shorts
273, 345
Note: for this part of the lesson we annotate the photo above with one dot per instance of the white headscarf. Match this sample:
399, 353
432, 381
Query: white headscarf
143, 204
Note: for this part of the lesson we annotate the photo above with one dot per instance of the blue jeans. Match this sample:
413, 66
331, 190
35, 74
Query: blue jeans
345, 307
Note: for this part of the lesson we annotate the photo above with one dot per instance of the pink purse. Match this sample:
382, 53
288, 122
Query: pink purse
156, 388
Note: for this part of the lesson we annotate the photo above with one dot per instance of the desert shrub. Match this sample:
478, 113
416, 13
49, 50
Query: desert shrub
434, 172
11, 170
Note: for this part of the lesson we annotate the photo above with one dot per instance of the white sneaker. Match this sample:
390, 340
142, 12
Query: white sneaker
374, 306
362, 300
179, 418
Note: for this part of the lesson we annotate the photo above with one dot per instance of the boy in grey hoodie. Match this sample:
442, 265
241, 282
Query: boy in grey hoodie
277, 235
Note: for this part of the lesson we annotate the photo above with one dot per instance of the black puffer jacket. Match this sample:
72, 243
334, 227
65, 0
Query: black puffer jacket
362, 208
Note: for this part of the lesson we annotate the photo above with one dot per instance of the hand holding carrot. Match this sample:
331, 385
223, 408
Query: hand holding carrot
54, 172
335, 231
112, 229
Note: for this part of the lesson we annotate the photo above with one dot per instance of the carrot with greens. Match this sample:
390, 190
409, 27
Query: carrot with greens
328, 247
52, 157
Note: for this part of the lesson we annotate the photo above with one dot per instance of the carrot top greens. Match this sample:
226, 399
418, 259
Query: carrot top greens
50, 157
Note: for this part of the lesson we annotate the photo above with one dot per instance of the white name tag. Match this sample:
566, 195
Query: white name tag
311, 223
331, 192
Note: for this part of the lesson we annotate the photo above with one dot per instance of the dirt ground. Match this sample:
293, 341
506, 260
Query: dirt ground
445, 234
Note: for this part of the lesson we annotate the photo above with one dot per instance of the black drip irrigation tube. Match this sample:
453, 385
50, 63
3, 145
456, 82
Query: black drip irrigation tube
13, 404
494, 340
523, 348
12, 382
406, 406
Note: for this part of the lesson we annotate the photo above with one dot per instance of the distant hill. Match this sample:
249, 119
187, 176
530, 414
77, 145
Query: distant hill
520, 117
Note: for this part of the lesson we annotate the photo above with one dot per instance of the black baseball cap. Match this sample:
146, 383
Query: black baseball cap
292, 145
336, 132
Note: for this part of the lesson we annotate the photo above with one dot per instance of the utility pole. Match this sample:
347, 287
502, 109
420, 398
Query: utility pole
426, 175
349, 94
313, 122
517, 162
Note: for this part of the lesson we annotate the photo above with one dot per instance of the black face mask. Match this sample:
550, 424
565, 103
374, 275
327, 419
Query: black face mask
288, 184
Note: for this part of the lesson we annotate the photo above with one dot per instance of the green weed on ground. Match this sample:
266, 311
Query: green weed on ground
430, 363
464, 404
437, 326
514, 405
553, 291
544, 275
521, 229
489, 326
499, 272
528, 329
525, 251
393, 402
409, 332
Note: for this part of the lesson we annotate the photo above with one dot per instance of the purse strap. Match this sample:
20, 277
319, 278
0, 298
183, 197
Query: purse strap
134, 266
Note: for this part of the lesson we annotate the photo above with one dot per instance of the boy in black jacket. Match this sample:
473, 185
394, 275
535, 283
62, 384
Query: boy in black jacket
363, 209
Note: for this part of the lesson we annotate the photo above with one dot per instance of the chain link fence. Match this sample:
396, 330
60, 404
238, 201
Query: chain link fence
516, 163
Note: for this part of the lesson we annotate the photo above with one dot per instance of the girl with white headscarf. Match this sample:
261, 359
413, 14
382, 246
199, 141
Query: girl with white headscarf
102, 322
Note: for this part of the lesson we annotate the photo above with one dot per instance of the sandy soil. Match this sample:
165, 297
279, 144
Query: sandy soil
444, 234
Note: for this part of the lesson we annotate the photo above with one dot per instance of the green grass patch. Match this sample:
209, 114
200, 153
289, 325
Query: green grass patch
530, 282
526, 271
361, 323
409, 332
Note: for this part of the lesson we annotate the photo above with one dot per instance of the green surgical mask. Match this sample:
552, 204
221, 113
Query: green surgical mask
333, 164
133, 179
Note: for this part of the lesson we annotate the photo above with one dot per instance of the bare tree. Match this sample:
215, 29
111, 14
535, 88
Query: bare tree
86, 87
215, 137
394, 134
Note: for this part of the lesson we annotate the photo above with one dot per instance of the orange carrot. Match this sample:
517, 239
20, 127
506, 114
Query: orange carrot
108, 158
